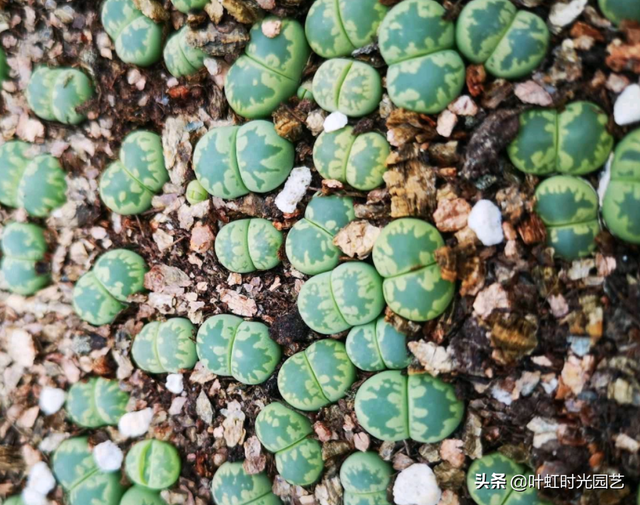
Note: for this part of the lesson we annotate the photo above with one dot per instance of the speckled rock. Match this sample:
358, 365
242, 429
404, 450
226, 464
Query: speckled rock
365, 478
619, 10
248, 245
180, 57
97, 402
153, 464
138, 495
23, 251
376, 346
232, 485
166, 347
189, 5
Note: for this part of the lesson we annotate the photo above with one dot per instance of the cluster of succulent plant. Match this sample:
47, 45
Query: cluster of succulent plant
574, 141
358, 160
232, 485
96, 402
180, 57
229, 346
138, 495
309, 244
248, 245
55, 94
286, 433
365, 477
23, 250
153, 464
392, 407
189, 5
137, 38
317, 376
128, 185
165, 347
269, 71
232, 161
349, 295
101, 294
620, 10
377, 346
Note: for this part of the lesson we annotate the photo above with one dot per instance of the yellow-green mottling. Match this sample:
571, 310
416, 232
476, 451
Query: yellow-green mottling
365, 477
349, 295
137, 38
404, 255
101, 294
180, 57
84, 483
425, 73
392, 407
286, 433
620, 10
229, 346
55, 94
189, 5
196, 193
23, 249
96, 402
138, 495
621, 206
510, 43
232, 161
270, 70
574, 141
248, 245
568, 206
165, 347
232, 485
317, 376
376, 346
153, 464
309, 244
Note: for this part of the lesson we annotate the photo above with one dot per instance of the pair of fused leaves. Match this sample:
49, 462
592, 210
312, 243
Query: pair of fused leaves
23, 249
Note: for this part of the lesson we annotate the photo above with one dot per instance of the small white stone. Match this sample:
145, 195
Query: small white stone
486, 221
135, 424
627, 107
108, 456
174, 383
605, 179
447, 121
416, 485
563, 14
51, 400
294, 190
33, 497
335, 121
40, 479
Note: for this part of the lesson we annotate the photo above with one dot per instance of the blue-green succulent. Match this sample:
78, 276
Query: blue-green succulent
23, 249
248, 245
189, 5
97, 402
166, 347
376, 346
180, 57
620, 10
195, 192
153, 464
138, 495
365, 477
232, 485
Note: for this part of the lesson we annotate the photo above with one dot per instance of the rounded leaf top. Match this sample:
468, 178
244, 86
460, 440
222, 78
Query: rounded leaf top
180, 57
195, 193
248, 245
365, 476
138, 495
377, 345
97, 402
23, 247
232, 485
619, 10
165, 347
153, 464
189, 5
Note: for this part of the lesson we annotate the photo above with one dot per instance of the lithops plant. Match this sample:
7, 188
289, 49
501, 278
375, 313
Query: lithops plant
510, 43
416, 40
137, 38
97, 402
55, 94
196, 193
101, 294
128, 185
23, 251
14, 500
574, 141
404, 254
622, 197
286, 433
568, 206
180, 57
229, 346
365, 477
165, 347
232, 161
309, 244
351, 87
248, 245
138, 495
76, 471
358, 160
189, 5
317, 376
376, 346
620, 10
349, 295
391, 406
232, 485
270, 70
153, 464
305, 91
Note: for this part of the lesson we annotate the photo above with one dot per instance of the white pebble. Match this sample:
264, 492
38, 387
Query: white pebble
627, 107
174, 383
605, 179
416, 485
335, 121
294, 190
135, 424
40, 479
486, 221
32, 497
108, 456
51, 400
563, 14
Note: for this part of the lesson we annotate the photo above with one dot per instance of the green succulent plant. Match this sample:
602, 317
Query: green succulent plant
189, 5
416, 40
196, 193
137, 38
305, 91
153, 464
622, 197
270, 70
76, 471
165, 347
4, 68
309, 244
286, 433
23, 249
317, 376
510, 43
376, 346
229, 346
232, 485
248, 245
14, 500
55, 94
138, 495
358, 160
391, 406
349, 295
404, 254
351, 87
365, 477
96, 403
568, 206
619, 10
574, 141
180, 57
232, 161
128, 185
101, 294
